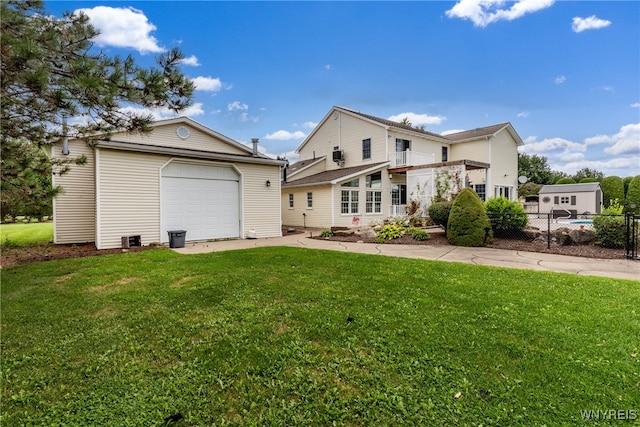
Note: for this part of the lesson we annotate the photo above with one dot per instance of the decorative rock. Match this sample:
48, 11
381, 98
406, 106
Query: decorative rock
582, 237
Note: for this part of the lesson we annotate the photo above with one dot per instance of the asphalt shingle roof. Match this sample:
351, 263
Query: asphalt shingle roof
570, 188
331, 175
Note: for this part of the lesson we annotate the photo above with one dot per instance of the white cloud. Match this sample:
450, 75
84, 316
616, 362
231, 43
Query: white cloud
165, 113
309, 125
208, 84
123, 27
236, 105
418, 119
626, 142
560, 79
522, 115
245, 117
620, 154
191, 60
591, 23
283, 135
635, 105
328, 67
485, 12
556, 148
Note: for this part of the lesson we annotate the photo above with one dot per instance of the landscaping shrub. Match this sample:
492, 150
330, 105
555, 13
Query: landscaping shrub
566, 180
633, 195
326, 233
389, 232
505, 215
612, 188
468, 221
609, 226
439, 213
418, 234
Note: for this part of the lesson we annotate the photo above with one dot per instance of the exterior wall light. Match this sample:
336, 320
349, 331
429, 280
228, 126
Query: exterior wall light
268, 183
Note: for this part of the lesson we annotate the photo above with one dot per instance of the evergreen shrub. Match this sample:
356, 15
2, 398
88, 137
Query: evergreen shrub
468, 221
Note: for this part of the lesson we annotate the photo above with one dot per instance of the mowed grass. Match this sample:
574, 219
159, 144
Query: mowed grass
20, 234
289, 336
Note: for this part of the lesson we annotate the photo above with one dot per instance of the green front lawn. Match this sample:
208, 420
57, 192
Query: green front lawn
288, 336
20, 234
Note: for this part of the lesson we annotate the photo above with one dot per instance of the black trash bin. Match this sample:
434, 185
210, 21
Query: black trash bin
176, 238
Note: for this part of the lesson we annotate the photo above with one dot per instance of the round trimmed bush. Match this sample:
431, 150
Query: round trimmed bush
633, 194
439, 213
468, 221
506, 214
566, 180
612, 189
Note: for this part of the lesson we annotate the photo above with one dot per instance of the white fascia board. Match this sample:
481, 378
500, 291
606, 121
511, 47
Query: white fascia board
362, 172
194, 154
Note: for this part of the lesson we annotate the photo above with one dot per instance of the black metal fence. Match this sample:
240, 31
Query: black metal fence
613, 232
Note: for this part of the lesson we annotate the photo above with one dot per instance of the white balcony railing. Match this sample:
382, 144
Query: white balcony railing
410, 158
397, 210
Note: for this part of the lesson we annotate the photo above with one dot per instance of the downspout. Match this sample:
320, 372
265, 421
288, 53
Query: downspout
489, 190
98, 217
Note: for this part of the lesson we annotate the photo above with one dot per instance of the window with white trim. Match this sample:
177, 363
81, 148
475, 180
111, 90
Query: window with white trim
503, 191
309, 200
349, 199
290, 201
374, 202
564, 200
481, 190
366, 149
349, 202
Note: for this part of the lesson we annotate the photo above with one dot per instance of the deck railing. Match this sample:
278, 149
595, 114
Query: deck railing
410, 158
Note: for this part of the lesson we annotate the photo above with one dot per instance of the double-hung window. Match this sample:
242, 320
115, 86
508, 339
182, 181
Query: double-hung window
290, 201
349, 200
366, 149
309, 200
373, 202
481, 190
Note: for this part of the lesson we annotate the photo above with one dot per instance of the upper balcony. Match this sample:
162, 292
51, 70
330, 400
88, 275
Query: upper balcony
410, 158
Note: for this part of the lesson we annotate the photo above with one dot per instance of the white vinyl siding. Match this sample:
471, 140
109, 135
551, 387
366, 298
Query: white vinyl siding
74, 209
165, 136
346, 132
261, 210
129, 197
319, 217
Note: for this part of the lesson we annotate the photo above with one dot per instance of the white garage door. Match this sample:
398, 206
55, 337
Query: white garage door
203, 200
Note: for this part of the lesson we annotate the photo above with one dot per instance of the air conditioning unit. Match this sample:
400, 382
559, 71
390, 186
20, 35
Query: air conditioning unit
338, 156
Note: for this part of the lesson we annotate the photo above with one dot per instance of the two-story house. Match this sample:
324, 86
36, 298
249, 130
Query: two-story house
356, 169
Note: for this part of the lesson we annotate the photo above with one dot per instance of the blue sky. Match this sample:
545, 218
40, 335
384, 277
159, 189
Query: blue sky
566, 74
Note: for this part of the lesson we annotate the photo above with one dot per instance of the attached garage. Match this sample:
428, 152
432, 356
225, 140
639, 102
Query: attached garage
203, 199
182, 176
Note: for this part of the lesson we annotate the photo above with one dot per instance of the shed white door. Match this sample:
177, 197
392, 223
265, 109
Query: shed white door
203, 200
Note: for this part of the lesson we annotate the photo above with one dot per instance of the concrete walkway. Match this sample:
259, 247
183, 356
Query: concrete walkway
614, 268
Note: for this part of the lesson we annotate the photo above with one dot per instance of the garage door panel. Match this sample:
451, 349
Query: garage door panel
200, 202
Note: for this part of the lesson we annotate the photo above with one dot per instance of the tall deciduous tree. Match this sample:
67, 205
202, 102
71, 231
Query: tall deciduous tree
51, 73
535, 168
583, 173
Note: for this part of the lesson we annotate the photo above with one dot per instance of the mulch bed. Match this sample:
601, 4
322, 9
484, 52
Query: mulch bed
47, 251
439, 239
